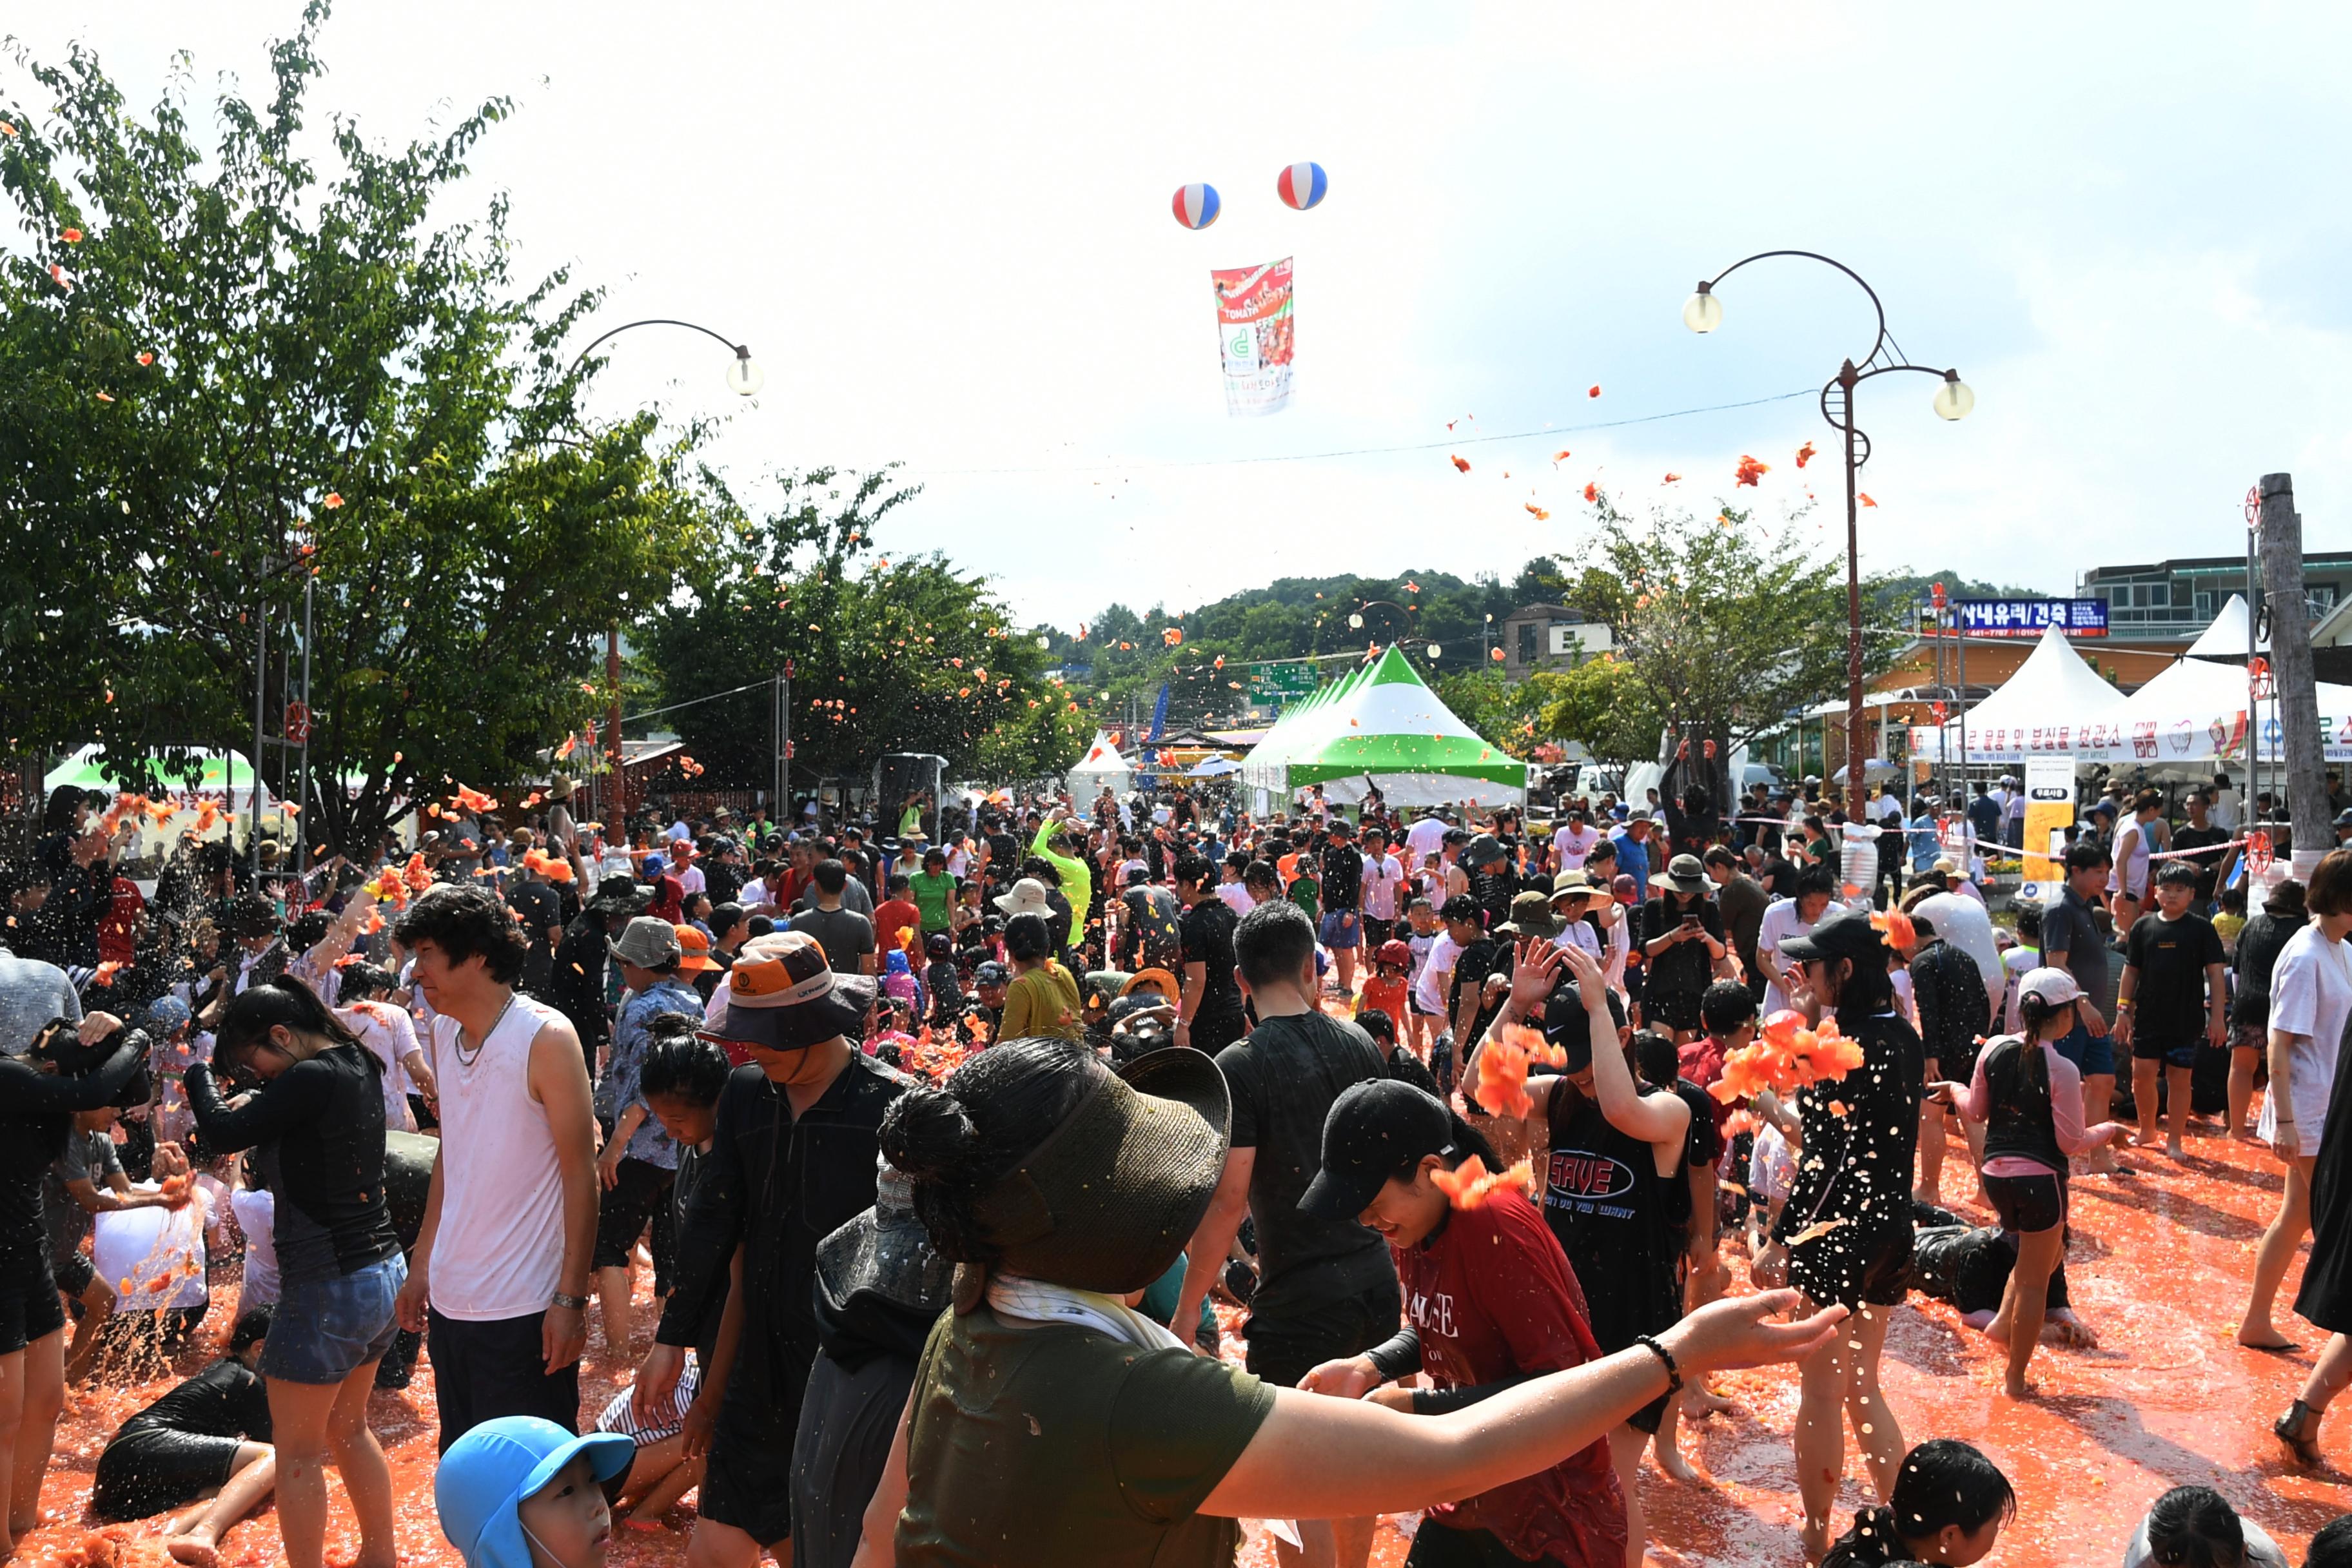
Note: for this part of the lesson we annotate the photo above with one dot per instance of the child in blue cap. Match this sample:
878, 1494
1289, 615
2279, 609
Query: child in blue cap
522, 1492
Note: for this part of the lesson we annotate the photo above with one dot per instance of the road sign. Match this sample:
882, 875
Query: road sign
297, 723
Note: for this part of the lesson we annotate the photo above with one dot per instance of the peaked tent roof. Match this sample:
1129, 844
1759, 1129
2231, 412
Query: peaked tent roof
1102, 760
2193, 713
2052, 701
1381, 719
2226, 638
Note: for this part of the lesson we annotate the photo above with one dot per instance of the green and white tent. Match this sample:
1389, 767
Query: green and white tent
1380, 723
226, 781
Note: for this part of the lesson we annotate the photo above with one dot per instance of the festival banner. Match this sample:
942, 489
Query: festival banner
1254, 324
2049, 812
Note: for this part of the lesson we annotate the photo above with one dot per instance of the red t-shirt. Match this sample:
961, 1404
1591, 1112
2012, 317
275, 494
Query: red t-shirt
1493, 1296
119, 926
668, 900
1387, 996
891, 919
1701, 1061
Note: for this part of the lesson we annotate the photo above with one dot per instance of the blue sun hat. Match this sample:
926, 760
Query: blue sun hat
488, 1473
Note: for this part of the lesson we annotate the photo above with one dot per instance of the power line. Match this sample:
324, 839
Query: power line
1548, 431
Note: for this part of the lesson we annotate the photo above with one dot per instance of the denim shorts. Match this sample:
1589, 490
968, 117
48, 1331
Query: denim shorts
326, 1330
2091, 1054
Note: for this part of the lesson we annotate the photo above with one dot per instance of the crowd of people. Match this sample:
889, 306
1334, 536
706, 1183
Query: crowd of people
951, 1160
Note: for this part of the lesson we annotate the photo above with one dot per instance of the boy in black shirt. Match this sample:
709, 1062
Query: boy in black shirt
2174, 996
1343, 900
1327, 1289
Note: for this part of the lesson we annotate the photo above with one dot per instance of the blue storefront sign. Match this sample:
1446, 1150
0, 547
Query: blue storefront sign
2030, 618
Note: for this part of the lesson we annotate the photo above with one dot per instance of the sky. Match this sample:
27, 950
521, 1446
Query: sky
945, 233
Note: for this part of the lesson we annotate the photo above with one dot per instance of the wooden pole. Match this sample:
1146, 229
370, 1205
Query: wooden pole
2298, 695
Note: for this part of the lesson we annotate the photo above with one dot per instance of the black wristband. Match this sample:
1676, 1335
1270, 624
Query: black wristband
1674, 1372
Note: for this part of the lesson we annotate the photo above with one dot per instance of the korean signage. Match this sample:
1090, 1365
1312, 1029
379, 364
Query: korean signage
1278, 685
2030, 618
2049, 812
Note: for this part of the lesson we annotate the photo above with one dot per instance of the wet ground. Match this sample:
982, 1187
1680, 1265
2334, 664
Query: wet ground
2157, 1268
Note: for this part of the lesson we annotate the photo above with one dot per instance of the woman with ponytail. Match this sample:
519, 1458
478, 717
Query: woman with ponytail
2029, 1098
316, 1119
1052, 1424
1949, 1507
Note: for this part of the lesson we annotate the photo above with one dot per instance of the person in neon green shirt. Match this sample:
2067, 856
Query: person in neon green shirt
1077, 878
934, 892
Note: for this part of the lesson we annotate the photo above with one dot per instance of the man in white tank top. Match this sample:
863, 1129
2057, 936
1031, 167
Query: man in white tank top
499, 1278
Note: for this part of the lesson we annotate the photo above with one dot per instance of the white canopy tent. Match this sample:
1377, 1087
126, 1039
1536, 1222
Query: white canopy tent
2193, 715
2053, 706
1102, 768
225, 784
2226, 638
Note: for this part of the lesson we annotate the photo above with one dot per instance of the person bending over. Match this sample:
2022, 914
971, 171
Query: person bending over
1949, 1505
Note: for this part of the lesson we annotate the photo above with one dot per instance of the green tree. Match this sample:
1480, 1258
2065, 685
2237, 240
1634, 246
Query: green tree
886, 656
1725, 626
1608, 708
1510, 713
226, 378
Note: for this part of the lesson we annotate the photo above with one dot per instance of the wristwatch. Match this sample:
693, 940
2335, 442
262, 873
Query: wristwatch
576, 1303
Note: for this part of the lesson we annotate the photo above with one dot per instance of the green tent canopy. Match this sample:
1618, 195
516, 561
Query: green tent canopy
1381, 722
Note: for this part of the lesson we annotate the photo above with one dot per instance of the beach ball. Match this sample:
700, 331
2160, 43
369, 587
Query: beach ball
1301, 184
1196, 206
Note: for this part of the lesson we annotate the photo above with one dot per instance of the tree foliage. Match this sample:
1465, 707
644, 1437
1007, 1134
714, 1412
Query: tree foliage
907, 654
1606, 706
1725, 626
226, 377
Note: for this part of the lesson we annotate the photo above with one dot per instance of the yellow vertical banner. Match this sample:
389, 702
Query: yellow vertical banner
2049, 812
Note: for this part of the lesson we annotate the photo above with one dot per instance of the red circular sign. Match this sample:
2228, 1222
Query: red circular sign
2258, 852
298, 722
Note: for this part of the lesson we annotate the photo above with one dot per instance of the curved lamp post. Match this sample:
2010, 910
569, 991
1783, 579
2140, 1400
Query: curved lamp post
1356, 619
743, 379
1703, 312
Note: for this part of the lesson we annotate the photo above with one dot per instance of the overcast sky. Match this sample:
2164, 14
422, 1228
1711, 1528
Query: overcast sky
945, 234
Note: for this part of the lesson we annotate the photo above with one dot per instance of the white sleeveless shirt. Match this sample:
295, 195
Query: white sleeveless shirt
499, 1251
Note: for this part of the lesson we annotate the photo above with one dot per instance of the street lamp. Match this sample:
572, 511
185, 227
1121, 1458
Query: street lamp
743, 377
1356, 619
1703, 312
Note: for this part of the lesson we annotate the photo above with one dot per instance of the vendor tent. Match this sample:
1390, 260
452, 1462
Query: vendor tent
1380, 723
227, 783
2053, 706
1102, 768
2193, 715
2226, 638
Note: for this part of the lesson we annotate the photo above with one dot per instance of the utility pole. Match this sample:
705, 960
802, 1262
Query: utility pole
2298, 696
616, 810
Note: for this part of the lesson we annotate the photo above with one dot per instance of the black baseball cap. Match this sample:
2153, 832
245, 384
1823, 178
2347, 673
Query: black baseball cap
1374, 1130
1844, 932
1566, 1024
1460, 907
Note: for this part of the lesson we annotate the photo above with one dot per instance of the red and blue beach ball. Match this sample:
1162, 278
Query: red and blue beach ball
1301, 184
1196, 206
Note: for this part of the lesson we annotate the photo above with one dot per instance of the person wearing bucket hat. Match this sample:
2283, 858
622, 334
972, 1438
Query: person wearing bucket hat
2028, 1099
1682, 941
791, 1160
1844, 1233
880, 1285
1516, 1312
1531, 916
1052, 1424
520, 1483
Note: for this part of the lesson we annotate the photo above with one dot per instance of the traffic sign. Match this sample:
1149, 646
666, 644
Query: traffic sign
297, 723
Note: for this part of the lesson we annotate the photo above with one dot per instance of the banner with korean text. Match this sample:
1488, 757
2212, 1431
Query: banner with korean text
1254, 324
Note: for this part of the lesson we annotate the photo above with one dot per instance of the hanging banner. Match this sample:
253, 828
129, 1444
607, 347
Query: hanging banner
2049, 812
1253, 326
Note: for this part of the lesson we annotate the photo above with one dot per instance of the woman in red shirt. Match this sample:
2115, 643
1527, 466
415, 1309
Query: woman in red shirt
1490, 1302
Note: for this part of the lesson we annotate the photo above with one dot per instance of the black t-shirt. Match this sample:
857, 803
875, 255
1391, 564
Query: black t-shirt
1208, 941
721, 881
1150, 934
1685, 967
224, 1400
1482, 958
1003, 858
1343, 877
2169, 1001
537, 908
1283, 1078
2206, 865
